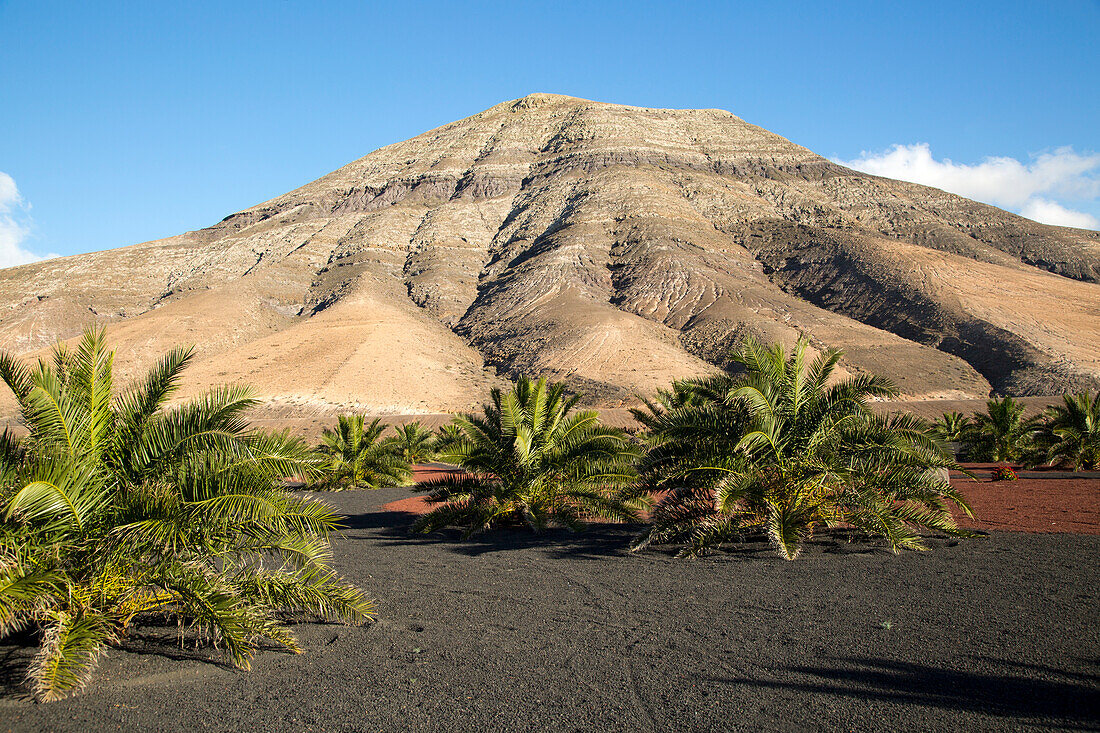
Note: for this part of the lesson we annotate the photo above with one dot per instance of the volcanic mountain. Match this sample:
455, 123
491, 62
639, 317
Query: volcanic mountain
614, 247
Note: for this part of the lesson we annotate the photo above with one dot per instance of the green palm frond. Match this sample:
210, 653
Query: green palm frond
534, 461
786, 449
115, 507
445, 437
72, 646
141, 402
15, 375
52, 417
318, 592
1002, 433
413, 443
210, 600
357, 457
214, 421
951, 427
1070, 433
272, 456
295, 551
60, 492
27, 589
13, 457
271, 508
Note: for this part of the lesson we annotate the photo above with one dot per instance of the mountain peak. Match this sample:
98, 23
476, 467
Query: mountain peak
539, 99
615, 247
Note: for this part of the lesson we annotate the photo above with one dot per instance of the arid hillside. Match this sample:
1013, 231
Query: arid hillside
615, 247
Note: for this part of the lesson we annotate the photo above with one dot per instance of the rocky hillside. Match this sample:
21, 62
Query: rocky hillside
616, 247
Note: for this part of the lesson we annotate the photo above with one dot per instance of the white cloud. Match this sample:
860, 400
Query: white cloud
1004, 182
13, 226
9, 194
1045, 211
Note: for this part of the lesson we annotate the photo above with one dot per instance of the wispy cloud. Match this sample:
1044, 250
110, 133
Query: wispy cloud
1026, 188
14, 225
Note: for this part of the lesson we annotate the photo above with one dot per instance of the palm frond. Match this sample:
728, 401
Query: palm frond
115, 508
72, 646
786, 449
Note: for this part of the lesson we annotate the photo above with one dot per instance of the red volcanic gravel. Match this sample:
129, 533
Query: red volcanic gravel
1032, 503
412, 505
416, 504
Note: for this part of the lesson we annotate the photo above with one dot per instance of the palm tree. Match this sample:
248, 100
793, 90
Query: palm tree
116, 508
951, 427
357, 458
414, 443
783, 451
1001, 433
1071, 432
445, 437
531, 461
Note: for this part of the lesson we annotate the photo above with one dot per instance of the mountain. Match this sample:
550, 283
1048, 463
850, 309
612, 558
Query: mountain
616, 247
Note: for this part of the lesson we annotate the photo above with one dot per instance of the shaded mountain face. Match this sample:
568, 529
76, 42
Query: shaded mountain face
614, 247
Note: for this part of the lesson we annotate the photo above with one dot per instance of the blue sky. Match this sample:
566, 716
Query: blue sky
124, 122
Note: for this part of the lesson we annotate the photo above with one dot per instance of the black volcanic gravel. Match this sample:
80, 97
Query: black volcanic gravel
569, 632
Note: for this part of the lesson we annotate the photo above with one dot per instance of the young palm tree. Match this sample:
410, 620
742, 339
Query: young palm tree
357, 458
784, 451
532, 461
1071, 432
1001, 433
445, 437
116, 508
414, 443
951, 427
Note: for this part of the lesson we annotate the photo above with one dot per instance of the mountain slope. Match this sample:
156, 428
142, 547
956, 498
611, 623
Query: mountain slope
617, 247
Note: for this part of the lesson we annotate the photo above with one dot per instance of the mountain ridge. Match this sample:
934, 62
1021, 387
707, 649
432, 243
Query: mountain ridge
616, 247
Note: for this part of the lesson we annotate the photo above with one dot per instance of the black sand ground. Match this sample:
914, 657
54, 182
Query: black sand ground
571, 633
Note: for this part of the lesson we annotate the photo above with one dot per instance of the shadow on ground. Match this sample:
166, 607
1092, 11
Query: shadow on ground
596, 540
1002, 692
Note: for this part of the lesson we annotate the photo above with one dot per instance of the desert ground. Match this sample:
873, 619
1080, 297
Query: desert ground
571, 632
309, 422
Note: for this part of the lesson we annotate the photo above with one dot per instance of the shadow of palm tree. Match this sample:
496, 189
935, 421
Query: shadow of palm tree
151, 645
16, 654
1093, 679
596, 540
1047, 696
385, 520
